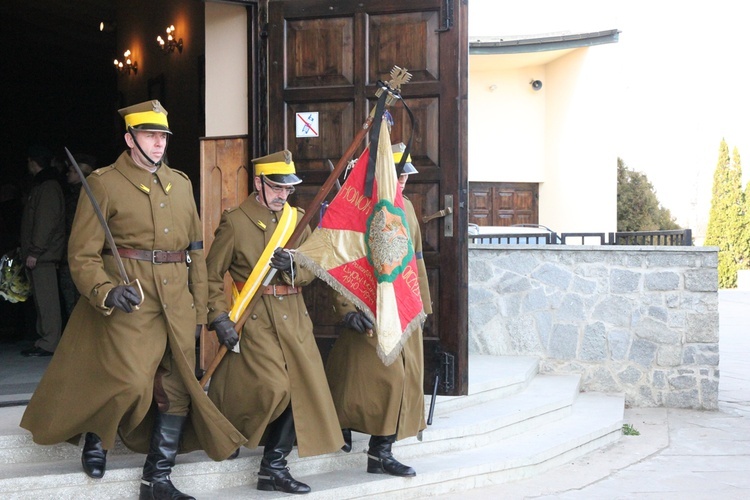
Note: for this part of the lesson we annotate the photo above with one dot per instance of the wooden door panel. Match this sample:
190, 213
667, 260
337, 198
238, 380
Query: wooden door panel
409, 38
322, 54
224, 185
335, 133
328, 57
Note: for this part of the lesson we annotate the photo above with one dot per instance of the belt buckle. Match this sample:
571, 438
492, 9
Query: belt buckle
153, 256
274, 291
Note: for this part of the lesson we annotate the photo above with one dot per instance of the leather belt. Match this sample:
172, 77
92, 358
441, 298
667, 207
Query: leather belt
275, 290
153, 256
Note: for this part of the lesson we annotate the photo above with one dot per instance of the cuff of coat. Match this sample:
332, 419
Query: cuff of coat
99, 296
213, 314
201, 318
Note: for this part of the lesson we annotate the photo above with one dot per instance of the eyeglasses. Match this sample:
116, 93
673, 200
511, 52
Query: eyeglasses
278, 189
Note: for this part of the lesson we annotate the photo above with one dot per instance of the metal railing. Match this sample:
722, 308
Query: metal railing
678, 237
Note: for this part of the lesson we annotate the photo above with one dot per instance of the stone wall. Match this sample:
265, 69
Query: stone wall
642, 321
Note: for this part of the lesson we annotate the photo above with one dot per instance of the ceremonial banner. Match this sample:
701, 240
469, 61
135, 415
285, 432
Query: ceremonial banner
363, 250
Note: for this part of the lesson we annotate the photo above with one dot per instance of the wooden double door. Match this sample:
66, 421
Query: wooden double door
316, 70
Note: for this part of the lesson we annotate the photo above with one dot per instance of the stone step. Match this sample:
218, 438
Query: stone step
514, 423
595, 421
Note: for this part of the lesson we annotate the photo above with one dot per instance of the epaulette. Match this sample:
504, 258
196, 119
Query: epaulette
230, 210
181, 173
103, 170
300, 210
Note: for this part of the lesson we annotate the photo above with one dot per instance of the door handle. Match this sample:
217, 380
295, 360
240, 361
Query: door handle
447, 212
440, 213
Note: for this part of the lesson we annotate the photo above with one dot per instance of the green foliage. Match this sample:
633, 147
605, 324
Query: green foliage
629, 430
728, 219
638, 209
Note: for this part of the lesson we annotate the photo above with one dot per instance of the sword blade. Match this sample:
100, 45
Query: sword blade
102, 220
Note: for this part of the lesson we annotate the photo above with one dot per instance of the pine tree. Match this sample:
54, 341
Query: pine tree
638, 208
725, 222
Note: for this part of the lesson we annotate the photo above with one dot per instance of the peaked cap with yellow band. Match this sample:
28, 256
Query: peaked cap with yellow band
277, 167
149, 115
398, 153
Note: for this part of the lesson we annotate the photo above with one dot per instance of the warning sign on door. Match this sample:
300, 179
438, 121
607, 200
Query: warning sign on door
307, 124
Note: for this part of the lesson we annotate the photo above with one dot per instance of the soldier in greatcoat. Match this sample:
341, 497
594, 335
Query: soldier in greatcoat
276, 385
126, 361
386, 402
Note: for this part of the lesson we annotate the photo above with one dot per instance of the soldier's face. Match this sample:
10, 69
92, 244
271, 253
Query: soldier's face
402, 180
153, 143
272, 195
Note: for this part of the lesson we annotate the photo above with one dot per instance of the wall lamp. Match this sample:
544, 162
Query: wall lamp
128, 66
536, 85
107, 26
171, 42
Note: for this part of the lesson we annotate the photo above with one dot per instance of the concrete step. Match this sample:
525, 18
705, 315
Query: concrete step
512, 423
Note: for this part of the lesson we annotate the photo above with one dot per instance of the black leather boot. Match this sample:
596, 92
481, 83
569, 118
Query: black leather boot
380, 459
93, 456
274, 474
347, 433
165, 439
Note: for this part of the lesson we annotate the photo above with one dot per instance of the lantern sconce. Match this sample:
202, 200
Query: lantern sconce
171, 42
128, 65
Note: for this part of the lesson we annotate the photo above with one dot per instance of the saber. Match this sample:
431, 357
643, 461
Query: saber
107, 233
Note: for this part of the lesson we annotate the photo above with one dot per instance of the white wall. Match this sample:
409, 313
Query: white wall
506, 125
579, 192
226, 70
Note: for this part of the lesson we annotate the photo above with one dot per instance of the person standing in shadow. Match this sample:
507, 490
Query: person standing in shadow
42, 248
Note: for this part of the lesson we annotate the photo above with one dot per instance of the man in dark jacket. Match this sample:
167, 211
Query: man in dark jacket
42, 247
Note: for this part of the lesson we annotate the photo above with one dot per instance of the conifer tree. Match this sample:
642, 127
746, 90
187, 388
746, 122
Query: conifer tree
725, 222
638, 208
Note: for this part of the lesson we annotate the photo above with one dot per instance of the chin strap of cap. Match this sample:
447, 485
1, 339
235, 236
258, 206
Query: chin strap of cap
152, 162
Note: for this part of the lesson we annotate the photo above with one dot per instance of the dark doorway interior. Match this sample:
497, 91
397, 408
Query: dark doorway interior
57, 89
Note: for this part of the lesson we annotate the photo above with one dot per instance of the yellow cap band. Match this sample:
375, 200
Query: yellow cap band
397, 157
150, 117
277, 167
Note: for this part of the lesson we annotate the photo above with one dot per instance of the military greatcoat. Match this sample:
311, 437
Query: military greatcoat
279, 361
101, 377
370, 397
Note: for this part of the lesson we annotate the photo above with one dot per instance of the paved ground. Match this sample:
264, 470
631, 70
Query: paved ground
680, 454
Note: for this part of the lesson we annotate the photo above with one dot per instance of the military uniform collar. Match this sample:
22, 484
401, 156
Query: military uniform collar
142, 178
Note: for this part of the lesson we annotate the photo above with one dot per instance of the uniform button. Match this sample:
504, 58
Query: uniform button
166, 229
192, 306
306, 313
162, 205
285, 316
164, 306
254, 316
344, 304
164, 281
273, 220
281, 298
211, 309
156, 181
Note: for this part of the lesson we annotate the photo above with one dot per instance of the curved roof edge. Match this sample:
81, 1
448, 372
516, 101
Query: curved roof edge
516, 45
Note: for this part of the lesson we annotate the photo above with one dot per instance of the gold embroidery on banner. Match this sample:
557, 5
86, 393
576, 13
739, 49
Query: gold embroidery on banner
356, 199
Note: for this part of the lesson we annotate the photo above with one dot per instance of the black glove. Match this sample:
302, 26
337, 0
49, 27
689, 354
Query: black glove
123, 297
281, 260
198, 330
225, 331
357, 321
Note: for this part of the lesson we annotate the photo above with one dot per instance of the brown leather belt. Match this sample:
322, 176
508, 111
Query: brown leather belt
275, 290
153, 256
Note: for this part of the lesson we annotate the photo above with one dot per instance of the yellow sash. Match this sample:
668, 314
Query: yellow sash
280, 236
